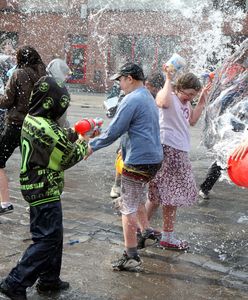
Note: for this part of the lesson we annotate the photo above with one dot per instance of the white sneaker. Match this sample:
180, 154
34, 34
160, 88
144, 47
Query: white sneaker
115, 192
203, 198
203, 195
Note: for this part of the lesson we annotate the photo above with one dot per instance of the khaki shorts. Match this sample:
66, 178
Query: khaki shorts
134, 181
133, 193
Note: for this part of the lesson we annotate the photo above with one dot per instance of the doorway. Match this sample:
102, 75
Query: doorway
76, 60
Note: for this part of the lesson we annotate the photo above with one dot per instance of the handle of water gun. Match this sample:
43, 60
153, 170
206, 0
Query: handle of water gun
98, 128
97, 131
94, 132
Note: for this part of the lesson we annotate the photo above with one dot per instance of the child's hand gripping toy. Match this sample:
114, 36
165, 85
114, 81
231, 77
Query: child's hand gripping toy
89, 127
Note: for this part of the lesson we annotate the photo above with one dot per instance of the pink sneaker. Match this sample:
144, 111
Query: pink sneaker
182, 245
171, 242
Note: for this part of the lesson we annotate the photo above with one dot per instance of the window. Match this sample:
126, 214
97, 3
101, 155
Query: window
8, 39
148, 51
229, 5
144, 5
58, 6
121, 50
78, 39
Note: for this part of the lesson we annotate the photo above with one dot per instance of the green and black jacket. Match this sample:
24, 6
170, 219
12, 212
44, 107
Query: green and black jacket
47, 149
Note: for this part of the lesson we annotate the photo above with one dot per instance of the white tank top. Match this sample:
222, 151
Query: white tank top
174, 124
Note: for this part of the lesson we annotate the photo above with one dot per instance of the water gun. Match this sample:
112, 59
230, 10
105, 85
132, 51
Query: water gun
89, 127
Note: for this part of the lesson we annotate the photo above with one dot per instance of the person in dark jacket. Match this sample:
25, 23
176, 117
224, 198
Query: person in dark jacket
30, 68
47, 150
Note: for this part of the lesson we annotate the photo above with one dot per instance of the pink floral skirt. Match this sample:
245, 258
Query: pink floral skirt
174, 183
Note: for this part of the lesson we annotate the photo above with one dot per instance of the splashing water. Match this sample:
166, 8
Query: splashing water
226, 119
199, 31
188, 26
199, 34
205, 44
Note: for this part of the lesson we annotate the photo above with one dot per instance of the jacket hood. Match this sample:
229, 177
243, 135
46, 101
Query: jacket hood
49, 99
58, 68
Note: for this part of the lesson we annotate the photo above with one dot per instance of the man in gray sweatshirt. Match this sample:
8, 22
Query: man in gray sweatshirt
136, 122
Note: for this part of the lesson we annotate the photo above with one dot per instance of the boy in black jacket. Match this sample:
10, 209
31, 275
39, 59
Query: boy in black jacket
47, 150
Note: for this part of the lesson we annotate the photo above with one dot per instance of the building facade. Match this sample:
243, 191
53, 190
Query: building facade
96, 36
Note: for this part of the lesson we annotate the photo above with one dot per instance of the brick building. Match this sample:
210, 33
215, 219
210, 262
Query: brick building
96, 36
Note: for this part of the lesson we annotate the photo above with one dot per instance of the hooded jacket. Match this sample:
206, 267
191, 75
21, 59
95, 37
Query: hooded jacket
59, 70
17, 93
47, 149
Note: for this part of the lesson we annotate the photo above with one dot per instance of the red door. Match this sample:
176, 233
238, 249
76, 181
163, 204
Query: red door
76, 60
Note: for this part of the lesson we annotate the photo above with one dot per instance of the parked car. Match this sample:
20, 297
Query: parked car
113, 100
5, 65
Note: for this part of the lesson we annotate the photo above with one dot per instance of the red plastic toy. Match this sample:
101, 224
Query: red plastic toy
238, 171
88, 126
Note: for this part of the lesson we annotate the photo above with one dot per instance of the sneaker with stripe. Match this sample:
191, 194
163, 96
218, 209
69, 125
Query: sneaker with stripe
127, 263
6, 210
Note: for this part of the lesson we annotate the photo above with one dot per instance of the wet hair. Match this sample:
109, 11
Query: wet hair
188, 81
28, 56
156, 80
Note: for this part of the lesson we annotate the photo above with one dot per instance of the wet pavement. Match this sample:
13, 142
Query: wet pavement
215, 267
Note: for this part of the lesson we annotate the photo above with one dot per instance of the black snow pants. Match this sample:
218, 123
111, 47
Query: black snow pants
213, 175
43, 258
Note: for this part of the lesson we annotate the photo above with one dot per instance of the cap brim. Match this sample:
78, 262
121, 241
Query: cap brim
115, 76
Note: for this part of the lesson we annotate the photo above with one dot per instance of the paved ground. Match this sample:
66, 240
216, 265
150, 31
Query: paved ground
215, 267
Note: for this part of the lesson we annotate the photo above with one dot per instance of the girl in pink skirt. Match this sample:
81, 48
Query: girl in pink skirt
174, 185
